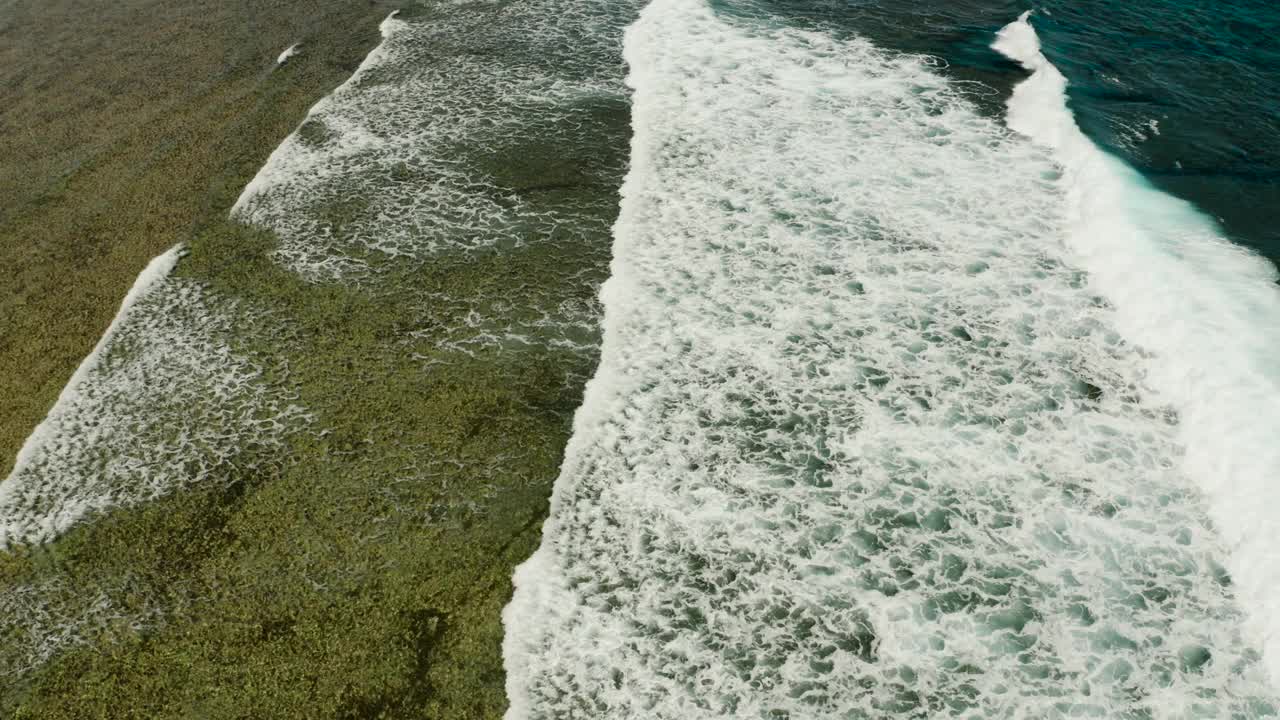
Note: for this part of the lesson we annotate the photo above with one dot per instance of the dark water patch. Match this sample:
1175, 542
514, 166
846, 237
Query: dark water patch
1209, 75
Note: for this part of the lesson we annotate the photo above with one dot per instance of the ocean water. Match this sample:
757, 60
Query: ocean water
917, 397
936, 371
1185, 92
1203, 78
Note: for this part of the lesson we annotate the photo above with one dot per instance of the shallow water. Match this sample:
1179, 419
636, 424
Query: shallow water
912, 400
458, 189
900, 412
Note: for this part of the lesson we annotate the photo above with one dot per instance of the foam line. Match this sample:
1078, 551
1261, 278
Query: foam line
285, 163
155, 271
163, 401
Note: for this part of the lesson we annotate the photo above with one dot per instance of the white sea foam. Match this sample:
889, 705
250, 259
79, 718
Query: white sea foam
862, 442
162, 401
155, 271
406, 133
405, 160
409, 161
36, 626
288, 53
1208, 311
292, 162
484, 131
13, 525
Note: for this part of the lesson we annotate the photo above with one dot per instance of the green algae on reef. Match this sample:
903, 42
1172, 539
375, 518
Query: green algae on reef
124, 126
359, 568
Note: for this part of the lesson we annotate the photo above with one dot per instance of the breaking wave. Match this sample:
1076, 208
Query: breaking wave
163, 401
898, 413
467, 171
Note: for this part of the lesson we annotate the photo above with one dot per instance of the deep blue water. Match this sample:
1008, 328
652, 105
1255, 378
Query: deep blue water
1208, 73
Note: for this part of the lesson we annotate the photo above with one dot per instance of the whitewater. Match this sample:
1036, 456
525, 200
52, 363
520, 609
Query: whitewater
902, 411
